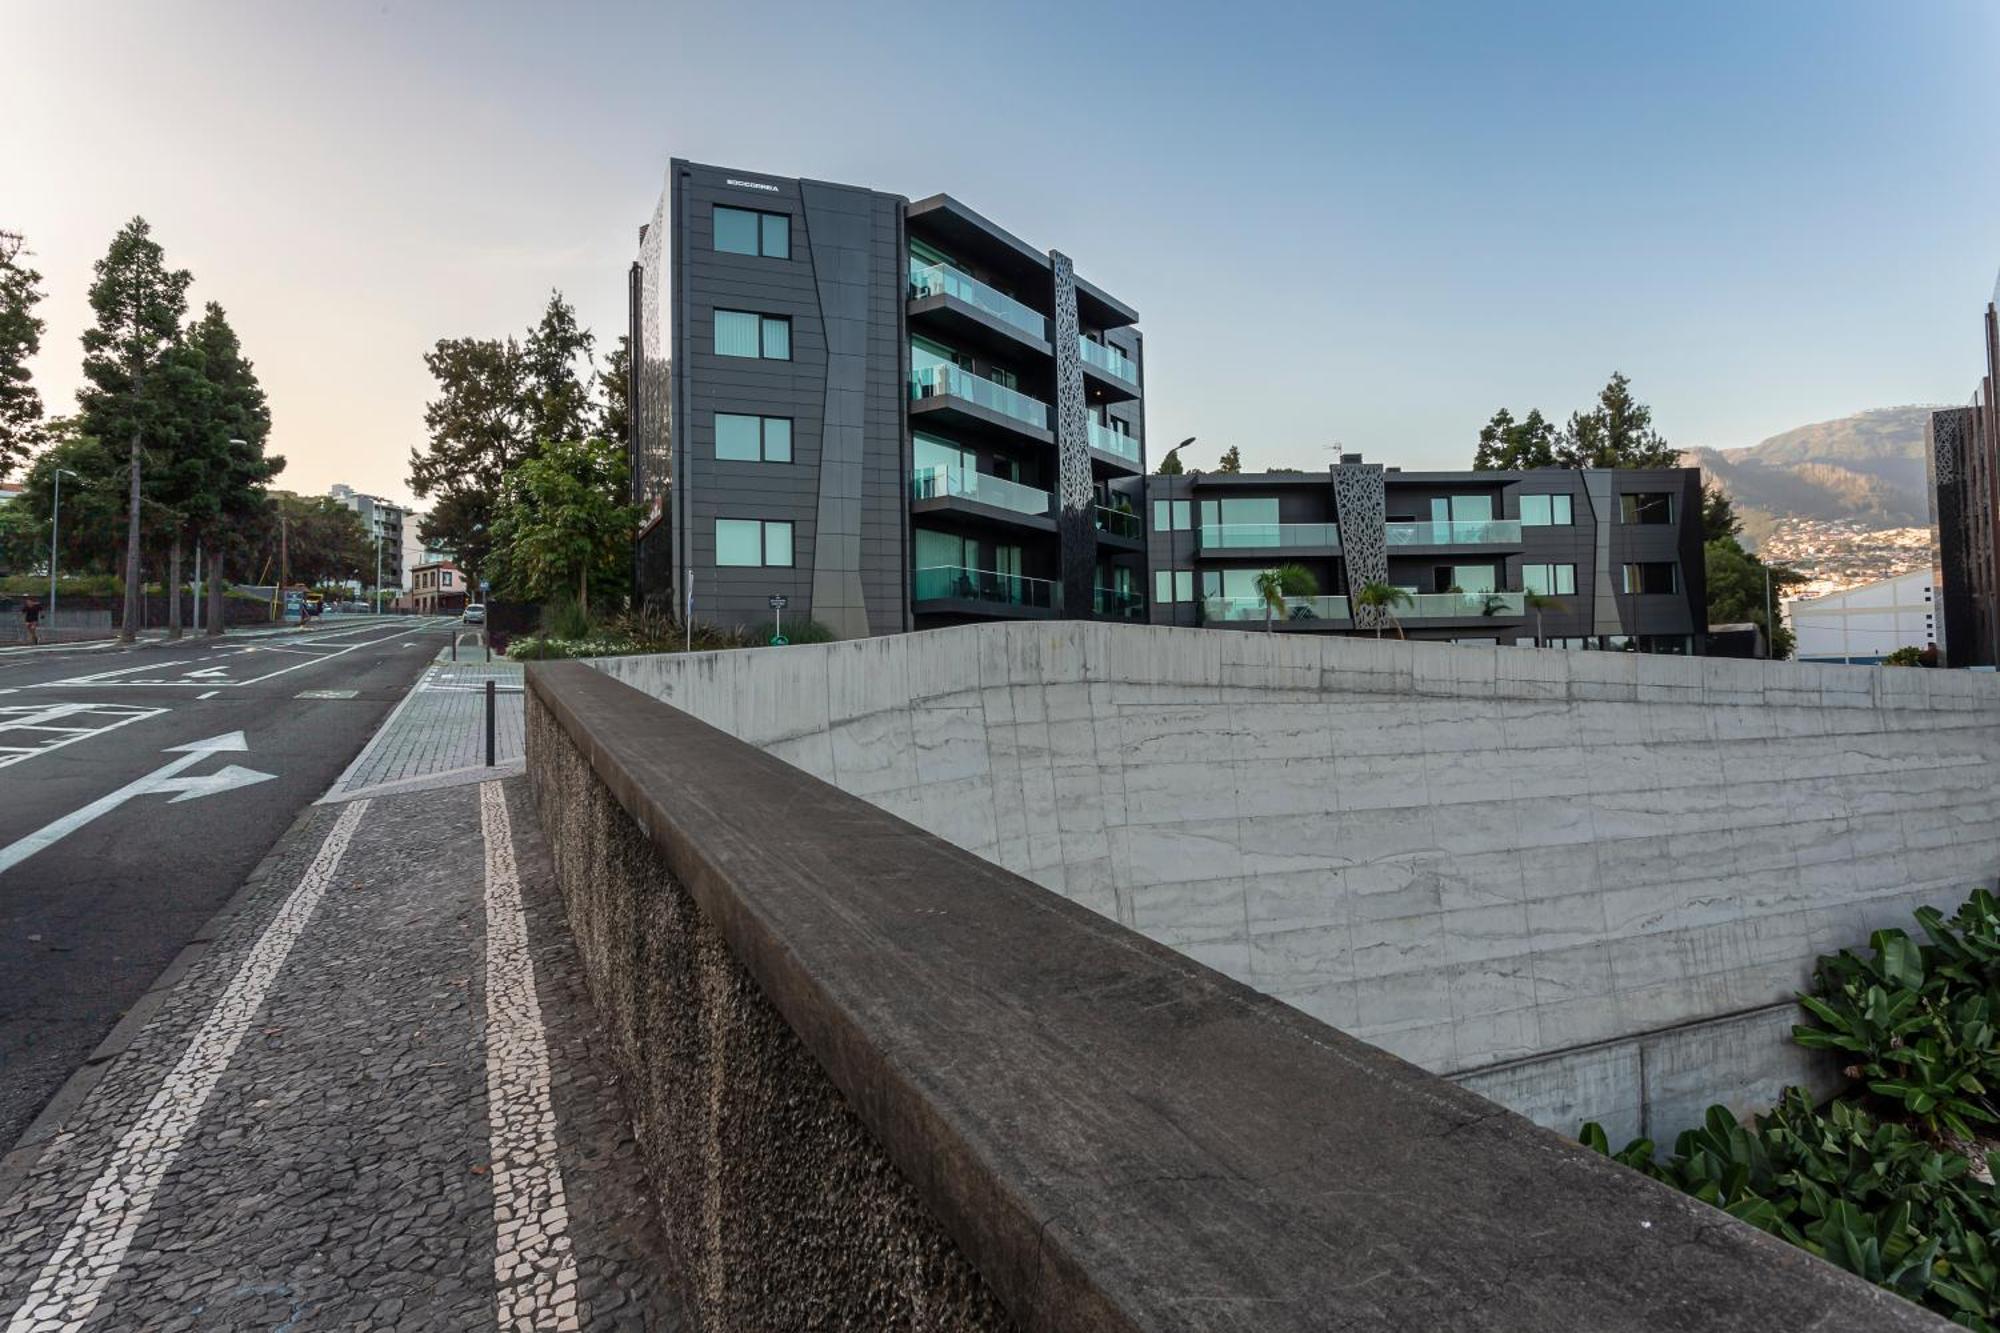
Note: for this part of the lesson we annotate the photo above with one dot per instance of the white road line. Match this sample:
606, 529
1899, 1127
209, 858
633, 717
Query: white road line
210, 695
533, 1265
38, 717
76, 1276
103, 678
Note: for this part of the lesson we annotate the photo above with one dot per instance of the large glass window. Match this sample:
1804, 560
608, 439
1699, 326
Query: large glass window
1653, 577
1173, 585
1549, 580
740, 231
1172, 515
1462, 508
1259, 510
741, 333
749, 439
751, 541
1646, 507
1541, 511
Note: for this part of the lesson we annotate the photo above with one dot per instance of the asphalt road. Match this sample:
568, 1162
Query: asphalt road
90, 916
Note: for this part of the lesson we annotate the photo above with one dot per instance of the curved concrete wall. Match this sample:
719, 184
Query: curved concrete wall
1586, 884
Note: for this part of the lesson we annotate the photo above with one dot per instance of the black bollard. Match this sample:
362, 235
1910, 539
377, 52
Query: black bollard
489, 724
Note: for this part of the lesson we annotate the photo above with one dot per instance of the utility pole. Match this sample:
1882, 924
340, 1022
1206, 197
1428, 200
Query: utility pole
284, 567
1770, 630
378, 570
55, 529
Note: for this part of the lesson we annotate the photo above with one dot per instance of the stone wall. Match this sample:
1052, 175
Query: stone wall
1588, 884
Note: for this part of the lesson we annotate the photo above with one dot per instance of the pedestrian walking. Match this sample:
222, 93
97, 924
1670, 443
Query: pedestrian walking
31, 616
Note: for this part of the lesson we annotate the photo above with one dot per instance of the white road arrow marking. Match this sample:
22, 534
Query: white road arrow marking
160, 779
206, 674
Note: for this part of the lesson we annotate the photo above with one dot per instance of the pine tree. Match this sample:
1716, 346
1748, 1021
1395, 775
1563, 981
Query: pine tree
1231, 460
615, 380
1616, 433
1718, 514
238, 467
1516, 446
20, 339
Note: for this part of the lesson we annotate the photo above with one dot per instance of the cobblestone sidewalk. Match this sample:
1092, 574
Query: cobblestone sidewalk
437, 735
376, 1101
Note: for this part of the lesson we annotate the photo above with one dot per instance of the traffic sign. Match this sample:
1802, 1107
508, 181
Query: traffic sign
485, 586
778, 601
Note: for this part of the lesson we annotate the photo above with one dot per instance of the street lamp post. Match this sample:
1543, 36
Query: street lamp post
378, 571
55, 529
1770, 634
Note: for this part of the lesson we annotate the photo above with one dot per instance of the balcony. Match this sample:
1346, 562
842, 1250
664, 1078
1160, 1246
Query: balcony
974, 311
1110, 365
955, 394
1120, 523
1116, 443
1118, 605
955, 588
1299, 612
945, 483
1456, 532
1257, 537
1461, 606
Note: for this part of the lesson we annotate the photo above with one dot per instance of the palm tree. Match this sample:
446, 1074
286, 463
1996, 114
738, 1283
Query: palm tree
1539, 602
1275, 585
1384, 598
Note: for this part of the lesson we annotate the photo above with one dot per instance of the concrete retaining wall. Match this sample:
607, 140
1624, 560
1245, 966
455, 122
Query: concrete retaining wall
881, 1083
1538, 870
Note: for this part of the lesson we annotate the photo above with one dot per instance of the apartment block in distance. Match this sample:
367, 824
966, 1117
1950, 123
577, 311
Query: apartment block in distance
1613, 558
1962, 457
894, 414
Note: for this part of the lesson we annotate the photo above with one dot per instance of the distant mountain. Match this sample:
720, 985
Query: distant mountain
1867, 468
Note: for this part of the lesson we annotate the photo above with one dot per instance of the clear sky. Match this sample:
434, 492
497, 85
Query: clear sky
1365, 224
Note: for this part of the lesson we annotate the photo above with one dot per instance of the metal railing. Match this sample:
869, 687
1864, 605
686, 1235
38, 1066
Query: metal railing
959, 583
958, 382
944, 280
1108, 359
1119, 522
1109, 441
1436, 605
1124, 605
1224, 536
1218, 610
936, 483
1454, 532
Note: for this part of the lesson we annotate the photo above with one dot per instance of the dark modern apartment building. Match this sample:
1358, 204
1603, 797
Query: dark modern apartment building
1962, 457
892, 413
1613, 559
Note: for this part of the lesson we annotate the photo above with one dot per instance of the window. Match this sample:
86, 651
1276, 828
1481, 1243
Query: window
1172, 515
1540, 511
1173, 585
447, 578
739, 231
751, 439
1462, 509
1549, 580
1646, 507
1465, 578
750, 541
740, 333
1652, 577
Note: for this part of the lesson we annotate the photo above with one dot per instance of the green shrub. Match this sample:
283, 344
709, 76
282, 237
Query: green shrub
1908, 655
562, 618
1874, 1181
86, 585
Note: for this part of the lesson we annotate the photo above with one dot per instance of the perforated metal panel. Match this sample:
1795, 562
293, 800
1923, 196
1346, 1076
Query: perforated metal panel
1076, 524
1361, 509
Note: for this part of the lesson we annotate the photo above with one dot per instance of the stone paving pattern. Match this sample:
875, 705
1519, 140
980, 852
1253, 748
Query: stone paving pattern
340, 1173
441, 727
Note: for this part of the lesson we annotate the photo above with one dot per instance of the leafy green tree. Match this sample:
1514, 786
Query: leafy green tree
1508, 445
1736, 591
20, 339
1617, 432
1170, 466
1275, 585
1718, 515
498, 402
324, 541
1231, 460
91, 508
137, 302
563, 521
242, 468
614, 381
1381, 600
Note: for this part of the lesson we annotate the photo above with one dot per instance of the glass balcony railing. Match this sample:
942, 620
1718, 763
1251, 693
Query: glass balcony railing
1433, 605
1119, 522
937, 483
956, 582
1123, 605
1223, 536
944, 280
955, 381
1456, 532
1108, 359
1113, 442
1218, 610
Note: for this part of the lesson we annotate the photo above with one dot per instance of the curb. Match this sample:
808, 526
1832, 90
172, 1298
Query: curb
27, 1150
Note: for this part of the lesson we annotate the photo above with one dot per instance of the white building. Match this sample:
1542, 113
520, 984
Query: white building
1866, 624
385, 522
